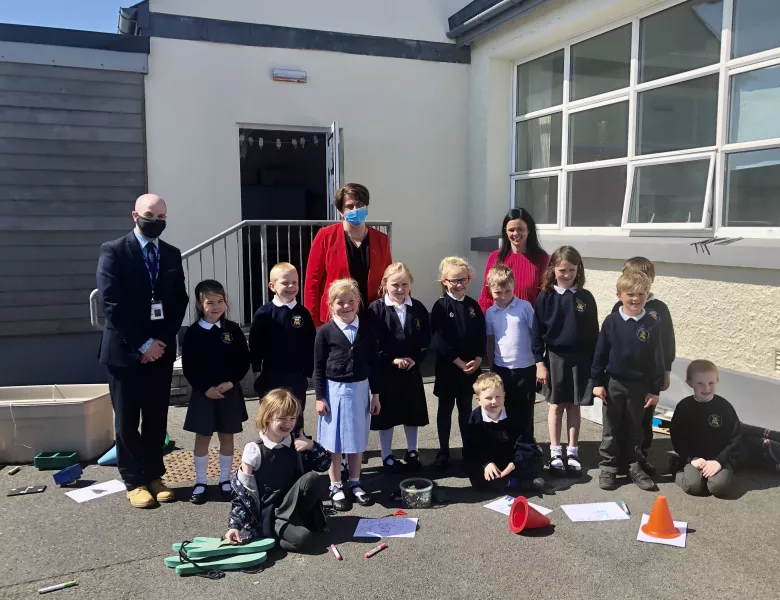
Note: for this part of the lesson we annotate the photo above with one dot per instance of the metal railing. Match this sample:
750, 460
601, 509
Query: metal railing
241, 257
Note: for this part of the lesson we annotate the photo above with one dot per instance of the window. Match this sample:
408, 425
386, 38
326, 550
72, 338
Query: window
663, 122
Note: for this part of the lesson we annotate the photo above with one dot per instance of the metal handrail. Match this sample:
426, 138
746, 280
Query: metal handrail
265, 256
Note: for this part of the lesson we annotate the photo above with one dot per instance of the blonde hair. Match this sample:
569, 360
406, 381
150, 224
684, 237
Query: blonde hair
279, 402
396, 267
700, 366
449, 263
488, 381
642, 264
340, 286
280, 269
500, 276
633, 281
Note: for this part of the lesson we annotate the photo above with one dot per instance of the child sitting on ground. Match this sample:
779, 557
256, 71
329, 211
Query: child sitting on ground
498, 447
706, 435
276, 492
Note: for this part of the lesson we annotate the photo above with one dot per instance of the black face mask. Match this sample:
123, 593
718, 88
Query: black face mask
150, 228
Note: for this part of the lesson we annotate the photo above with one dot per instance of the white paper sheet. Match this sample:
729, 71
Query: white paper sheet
678, 541
503, 505
597, 511
386, 528
96, 490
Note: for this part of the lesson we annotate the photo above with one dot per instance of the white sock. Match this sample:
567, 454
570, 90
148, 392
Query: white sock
336, 485
354, 485
572, 457
201, 469
386, 442
411, 437
225, 467
557, 458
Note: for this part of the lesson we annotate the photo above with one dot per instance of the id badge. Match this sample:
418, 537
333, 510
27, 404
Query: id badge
157, 311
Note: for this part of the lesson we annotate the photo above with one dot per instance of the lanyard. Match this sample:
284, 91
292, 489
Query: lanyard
153, 270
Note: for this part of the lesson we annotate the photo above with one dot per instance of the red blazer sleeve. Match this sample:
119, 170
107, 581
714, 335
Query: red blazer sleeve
381, 258
485, 298
314, 286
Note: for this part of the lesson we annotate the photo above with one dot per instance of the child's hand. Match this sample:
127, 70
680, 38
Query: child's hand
375, 406
492, 472
322, 408
711, 467
225, 386
458, 362
542, 374
472, 365
699, 463
403, 363
651, 400
214, 393
600, 392
233, 536
667, 380
509, 468
302, 443
409, 363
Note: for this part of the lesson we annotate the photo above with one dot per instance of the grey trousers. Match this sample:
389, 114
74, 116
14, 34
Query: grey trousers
300, 513
691, 480
622, 415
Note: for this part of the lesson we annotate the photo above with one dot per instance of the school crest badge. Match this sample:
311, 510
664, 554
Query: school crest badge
417, 324
297, 321
642, 334
580, 306
452, 315
472, 314
653, 314
715, 421
227, 337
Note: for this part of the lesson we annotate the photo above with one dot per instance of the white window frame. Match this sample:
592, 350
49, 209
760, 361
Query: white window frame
713, 213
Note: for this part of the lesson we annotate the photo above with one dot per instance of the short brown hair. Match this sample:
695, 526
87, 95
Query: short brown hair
357, 191
633, 281
700, 366
488, 381
279, 402
500, 276
640, 263
571, 256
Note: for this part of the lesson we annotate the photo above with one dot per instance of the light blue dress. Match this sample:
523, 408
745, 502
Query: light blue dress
345, 428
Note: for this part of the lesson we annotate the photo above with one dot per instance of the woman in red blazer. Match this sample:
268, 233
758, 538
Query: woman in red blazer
346, 250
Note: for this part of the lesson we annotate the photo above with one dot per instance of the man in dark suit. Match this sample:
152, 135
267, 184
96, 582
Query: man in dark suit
143, 296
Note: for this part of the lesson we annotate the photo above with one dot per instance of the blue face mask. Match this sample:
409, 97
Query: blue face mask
356, 216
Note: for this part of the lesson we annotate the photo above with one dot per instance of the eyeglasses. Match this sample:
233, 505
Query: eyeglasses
458, 281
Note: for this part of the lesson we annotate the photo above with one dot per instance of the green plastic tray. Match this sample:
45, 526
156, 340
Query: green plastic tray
55, 461
225, 563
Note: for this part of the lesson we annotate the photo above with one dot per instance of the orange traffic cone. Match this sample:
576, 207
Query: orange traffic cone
660, 524
522, 516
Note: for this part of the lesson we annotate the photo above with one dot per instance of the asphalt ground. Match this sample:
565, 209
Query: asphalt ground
461, 550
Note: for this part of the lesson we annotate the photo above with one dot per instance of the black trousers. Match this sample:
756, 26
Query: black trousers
647, 428
523, 472
300, 514
462, 400
520, 389
622, 414
140, 394
295, 382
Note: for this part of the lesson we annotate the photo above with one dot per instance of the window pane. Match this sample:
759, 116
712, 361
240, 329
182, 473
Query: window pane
539, 143
678, 117
753, 189
680, 39
539, 196
755, 96
599, 134
754, 28
671, 193
540, 83
596, 197
601, 64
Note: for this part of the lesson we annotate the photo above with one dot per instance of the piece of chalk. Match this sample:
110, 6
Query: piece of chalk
59, 586
376, 550
14, 471
336, 552
625, 508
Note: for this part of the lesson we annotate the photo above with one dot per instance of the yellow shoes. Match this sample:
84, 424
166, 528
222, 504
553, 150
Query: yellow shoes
141, 498
160, 491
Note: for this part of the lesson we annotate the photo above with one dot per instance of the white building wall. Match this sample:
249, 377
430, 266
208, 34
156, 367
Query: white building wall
411, 19
403, 124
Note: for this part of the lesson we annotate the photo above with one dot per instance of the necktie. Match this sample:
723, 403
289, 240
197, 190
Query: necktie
152, 263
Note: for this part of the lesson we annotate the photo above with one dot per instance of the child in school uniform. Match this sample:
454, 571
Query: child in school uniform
498, 447
565, 331
277, 492
459, 338
215, 359
344, 377
404, 334
281, 339
706, 435
628, 373
508, 323
657, 309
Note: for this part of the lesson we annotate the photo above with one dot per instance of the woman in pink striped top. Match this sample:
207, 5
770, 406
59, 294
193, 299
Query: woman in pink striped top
521, 252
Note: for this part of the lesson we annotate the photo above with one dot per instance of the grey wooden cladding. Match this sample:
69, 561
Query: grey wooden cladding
72, 162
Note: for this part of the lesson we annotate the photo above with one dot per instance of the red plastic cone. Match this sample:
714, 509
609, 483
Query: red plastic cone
522, 516
661, 524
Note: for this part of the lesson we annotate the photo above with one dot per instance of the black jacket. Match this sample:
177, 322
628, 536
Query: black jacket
126, 299
658, 310
410, 341
338, 360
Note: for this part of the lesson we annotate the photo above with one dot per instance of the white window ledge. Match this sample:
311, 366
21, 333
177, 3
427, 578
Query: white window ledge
746, 253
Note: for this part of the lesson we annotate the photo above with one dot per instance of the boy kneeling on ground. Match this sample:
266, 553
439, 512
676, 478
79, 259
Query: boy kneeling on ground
495, 447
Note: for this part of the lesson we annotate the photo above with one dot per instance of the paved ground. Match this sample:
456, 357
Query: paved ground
461, 550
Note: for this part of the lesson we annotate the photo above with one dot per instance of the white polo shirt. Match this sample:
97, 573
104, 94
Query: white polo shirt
512, 328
